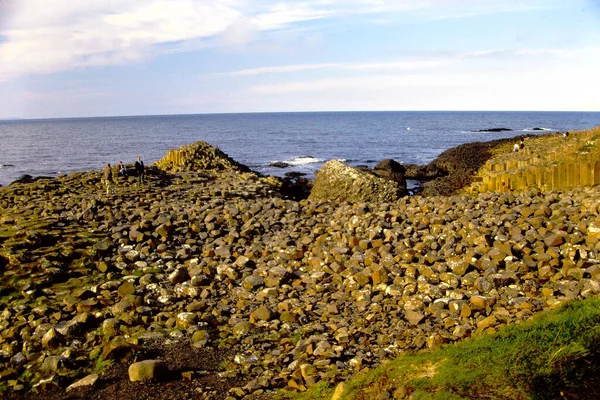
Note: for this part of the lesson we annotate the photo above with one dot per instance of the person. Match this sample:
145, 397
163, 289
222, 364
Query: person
566, 134
516, 148
107, 174
139, 169
122, 169
522, 142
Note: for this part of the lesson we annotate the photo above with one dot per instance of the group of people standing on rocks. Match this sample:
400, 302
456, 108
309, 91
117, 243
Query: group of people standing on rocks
107, 173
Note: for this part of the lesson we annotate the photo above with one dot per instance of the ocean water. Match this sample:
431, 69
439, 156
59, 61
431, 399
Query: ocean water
301, 142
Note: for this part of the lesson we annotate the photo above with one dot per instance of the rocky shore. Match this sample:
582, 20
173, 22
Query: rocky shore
236, 291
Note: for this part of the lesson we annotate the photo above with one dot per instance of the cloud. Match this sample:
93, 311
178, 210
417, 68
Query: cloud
40, 38
414, 63
408, 64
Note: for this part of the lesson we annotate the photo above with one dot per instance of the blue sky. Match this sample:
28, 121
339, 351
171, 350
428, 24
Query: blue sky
65, 58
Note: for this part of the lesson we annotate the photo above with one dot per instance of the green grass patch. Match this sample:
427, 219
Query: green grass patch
556, 354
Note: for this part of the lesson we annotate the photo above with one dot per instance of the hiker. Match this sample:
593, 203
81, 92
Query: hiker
108, 177
122, 169
522, 142
139, 169
566, 134
516, 148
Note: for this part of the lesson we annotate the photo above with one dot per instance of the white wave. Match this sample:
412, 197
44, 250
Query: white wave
303, 160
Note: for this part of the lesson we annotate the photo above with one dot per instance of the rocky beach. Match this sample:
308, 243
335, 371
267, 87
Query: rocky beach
211, 281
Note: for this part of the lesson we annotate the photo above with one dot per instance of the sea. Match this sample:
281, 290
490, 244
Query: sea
269, 143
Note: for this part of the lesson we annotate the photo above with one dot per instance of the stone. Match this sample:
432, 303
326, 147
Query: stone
260, 314
338, 182
88, 381
338, 393
148, 370
413, 317
179, 275
487, 322
118, 349
126, 289
51, 339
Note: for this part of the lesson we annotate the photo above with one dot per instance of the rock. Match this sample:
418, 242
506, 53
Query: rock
338, 182
260, 314
494, 130
51, 339
391, 170
179, 275
279, 164
148, 370
414, 317
339, 391
118, 349
126, 289
200, 338
52, 363
242, 328
89, 380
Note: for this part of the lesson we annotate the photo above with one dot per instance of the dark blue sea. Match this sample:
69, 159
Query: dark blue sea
301, 141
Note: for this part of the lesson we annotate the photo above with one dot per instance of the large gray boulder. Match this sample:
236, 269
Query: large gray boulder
337, 181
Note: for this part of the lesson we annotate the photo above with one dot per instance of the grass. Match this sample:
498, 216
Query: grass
101, 366
554, 355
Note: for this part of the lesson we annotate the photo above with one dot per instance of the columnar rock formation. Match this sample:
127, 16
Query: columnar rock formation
546, 163
197, 157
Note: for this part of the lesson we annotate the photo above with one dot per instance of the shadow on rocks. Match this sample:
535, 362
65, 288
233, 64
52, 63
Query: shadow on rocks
295, 186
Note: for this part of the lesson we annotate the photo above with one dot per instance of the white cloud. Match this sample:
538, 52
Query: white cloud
408, 64
414, 63
40, 36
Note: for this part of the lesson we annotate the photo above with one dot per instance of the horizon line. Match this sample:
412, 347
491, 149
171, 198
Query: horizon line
12, 119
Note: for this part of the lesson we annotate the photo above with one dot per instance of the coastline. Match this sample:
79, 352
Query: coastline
272, 292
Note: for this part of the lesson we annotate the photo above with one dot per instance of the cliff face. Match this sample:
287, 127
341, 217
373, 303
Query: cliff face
546, 163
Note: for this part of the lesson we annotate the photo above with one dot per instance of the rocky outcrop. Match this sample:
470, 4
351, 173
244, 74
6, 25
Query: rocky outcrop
199, 156
454, 169
339, 182
391, 170
494, 130
28, 179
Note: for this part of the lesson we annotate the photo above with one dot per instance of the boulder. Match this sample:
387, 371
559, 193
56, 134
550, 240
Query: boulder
147, 370
391, 170
337, 181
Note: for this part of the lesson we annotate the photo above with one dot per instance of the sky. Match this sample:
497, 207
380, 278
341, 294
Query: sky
68, 58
